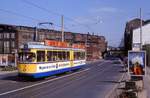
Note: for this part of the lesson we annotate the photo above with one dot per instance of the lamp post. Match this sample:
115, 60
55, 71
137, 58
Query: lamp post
62, 27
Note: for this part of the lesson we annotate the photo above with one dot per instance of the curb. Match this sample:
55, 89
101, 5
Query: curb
7, 72
115, 86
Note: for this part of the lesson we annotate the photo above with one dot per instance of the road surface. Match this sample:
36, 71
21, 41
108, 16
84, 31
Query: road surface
95, 80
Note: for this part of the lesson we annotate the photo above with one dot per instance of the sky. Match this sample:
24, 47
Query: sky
101, 17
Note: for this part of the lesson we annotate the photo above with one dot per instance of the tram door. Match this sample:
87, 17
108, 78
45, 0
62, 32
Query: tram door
71, 58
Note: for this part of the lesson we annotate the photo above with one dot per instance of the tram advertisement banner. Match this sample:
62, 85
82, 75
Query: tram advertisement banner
137, 63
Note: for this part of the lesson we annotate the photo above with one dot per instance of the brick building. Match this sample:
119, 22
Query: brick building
12, 36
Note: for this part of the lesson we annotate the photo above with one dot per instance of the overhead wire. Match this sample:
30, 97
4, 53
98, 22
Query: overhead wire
24, 16
34, 19
42, 8
57, 14
21, 15
18, 14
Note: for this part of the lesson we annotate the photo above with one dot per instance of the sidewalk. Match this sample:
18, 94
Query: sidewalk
147, 81
7, 72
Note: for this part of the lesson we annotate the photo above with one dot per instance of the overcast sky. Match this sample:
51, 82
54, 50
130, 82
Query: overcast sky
103, 17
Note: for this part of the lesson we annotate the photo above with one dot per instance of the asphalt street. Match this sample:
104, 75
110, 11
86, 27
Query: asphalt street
95, 80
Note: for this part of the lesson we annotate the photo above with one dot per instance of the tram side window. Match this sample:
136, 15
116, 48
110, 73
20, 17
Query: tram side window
79, 55
55, 54
75, 56
26, 57
60, 56
68, 55
40, 56
65, 55
50, 55
82, 55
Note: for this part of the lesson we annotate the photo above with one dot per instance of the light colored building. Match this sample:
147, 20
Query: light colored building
145, 35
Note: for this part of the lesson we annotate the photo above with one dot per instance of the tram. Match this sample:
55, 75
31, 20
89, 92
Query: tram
41, 59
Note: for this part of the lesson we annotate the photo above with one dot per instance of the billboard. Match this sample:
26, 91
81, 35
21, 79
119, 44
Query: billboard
3, 60
137, 63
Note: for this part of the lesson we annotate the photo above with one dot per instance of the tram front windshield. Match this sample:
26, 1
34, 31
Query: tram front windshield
25, 57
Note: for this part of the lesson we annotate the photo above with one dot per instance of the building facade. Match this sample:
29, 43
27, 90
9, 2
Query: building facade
131, 34
130, 26
12, 36
145, 35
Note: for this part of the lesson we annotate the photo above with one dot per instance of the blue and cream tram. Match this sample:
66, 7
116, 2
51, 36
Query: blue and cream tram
41, 59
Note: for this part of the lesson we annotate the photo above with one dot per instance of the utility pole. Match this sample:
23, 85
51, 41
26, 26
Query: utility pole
140, 29
36, 33
62, 27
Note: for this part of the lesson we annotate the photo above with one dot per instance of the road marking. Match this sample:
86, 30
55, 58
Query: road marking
30, 86
102, 63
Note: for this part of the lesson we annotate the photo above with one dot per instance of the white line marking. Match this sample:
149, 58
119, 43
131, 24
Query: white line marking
30, 86
101, 63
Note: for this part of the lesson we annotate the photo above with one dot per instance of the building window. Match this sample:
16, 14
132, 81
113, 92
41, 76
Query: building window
6, 47
1, 29
12, 35
42, 37
1, 46
9, 28
27, 36
6, 35
1, 35
12, 44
